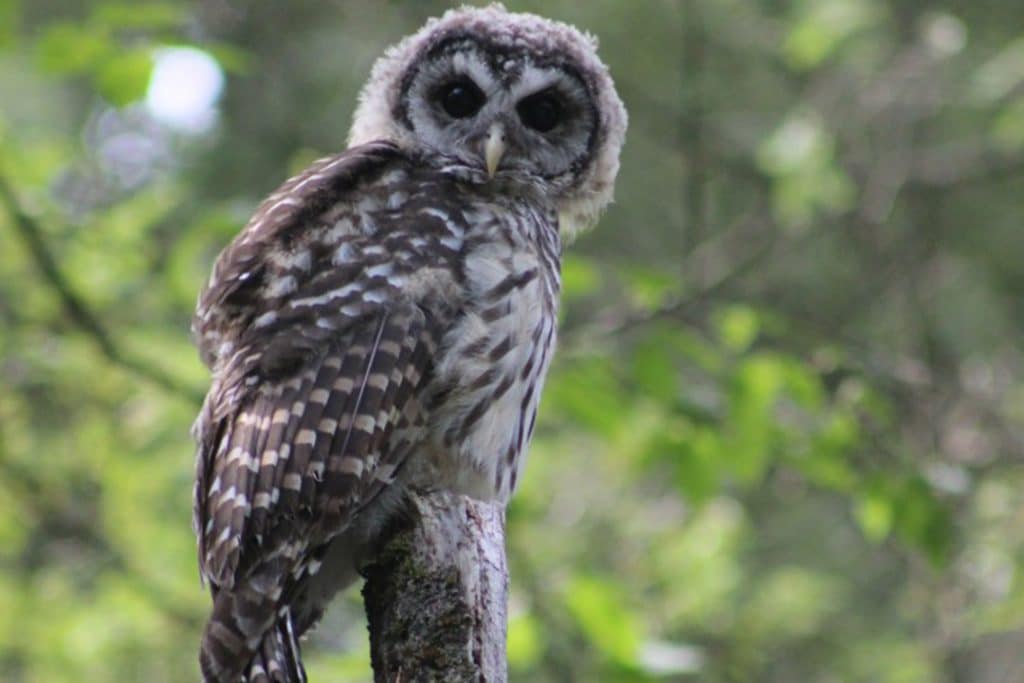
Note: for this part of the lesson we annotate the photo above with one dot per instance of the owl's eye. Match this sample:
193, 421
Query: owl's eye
461, 99
542, 111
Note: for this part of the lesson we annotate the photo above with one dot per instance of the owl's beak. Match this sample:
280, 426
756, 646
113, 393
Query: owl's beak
494, 148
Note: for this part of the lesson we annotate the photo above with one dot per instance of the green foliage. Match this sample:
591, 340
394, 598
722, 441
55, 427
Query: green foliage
779, 441
123, 79
820, 28
601, 616
10, 13
800, 157
108, 47
72, 49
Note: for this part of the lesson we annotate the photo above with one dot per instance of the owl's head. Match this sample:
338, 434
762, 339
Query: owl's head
510, 99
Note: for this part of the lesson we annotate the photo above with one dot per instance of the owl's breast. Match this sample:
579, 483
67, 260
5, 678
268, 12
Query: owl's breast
495, 358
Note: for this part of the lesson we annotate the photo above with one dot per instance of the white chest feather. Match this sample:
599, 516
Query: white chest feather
493, 367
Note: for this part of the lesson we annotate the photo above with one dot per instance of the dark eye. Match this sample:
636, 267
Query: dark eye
461, 99
542, 111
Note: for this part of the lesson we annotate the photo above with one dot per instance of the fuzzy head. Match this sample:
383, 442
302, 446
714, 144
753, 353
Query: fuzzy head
510, 99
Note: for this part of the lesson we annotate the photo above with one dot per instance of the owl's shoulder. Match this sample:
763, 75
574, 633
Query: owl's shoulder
283, 218
271, 255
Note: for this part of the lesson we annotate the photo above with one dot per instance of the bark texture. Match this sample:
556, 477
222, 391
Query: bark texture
436, 595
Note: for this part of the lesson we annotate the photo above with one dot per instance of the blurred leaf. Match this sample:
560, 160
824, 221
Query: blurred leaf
738, 327
755, 388
800, 142
1008, 127
35, 161
924, 520
803, 385
587, 391
792, 602
579, 276
598, 609
892, 658
139, 15
908, 507
123, 79
821, 28
10, 21
524, 641
699, 465
697, 350
195, 248
826, 458
73, 49
702, 552
649, 288
875, 514
800, 154
653, 367
695, 454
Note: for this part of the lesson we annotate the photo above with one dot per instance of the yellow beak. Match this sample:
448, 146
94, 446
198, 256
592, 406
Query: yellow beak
494, 148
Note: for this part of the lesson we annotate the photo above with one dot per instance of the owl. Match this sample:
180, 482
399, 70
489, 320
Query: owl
387, 317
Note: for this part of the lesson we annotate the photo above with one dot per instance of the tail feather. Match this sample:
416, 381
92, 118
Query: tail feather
278, 659
293, 655
247, 641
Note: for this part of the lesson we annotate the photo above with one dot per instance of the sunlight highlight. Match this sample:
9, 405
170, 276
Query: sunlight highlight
184, 89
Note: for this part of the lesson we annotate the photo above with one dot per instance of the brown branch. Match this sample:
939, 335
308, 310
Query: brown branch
79, 313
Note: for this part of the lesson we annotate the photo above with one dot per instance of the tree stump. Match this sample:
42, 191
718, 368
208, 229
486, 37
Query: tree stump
436, 595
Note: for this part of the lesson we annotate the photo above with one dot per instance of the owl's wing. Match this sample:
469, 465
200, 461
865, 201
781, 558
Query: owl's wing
318, 381
288, 468
247, 275
307, 451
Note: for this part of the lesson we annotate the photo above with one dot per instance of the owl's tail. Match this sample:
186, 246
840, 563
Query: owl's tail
246, 640
278, 659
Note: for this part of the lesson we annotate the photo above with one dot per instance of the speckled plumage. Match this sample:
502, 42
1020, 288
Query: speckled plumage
385, 319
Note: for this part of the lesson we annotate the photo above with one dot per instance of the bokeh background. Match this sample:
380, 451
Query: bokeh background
783, 437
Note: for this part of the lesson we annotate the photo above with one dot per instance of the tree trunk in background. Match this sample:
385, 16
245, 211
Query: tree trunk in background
436, 595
